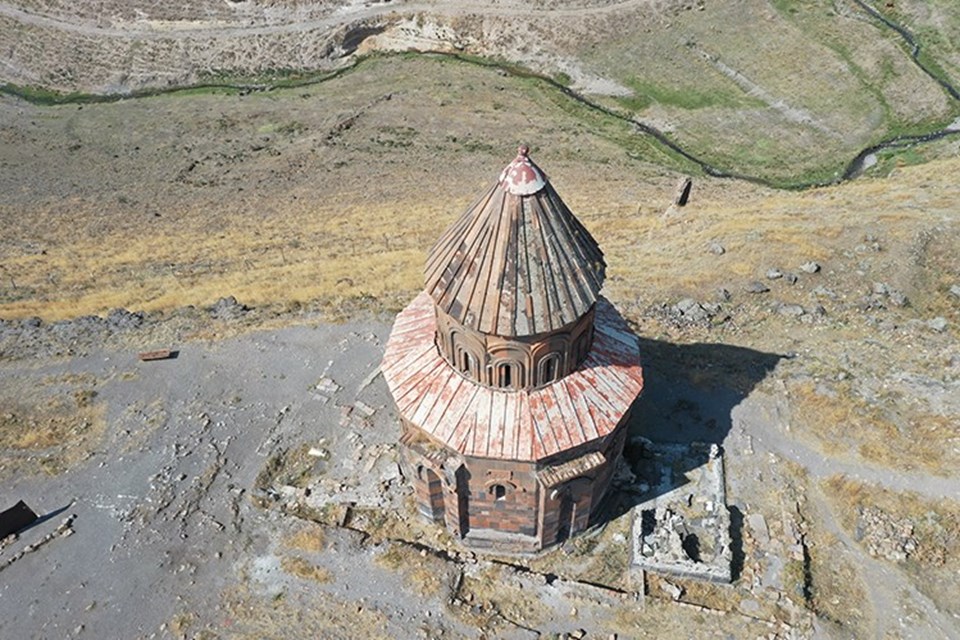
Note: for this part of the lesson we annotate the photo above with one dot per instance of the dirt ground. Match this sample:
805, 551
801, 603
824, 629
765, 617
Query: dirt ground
249, 487
199, 513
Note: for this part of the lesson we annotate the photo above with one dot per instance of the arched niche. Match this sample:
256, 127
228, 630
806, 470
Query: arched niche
514, 363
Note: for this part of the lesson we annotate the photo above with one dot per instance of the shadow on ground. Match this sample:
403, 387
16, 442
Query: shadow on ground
689, 393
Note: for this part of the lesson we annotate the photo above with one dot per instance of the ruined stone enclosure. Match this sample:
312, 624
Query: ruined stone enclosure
513, 376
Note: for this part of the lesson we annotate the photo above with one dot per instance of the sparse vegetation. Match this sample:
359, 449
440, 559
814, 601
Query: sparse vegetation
934, 566
306, 570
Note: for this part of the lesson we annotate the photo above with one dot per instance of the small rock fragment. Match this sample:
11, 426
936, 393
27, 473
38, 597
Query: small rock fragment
810, 267
794, 310
897, 298
756, 287
774, 274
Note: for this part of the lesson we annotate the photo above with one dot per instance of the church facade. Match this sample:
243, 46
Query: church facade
512, 375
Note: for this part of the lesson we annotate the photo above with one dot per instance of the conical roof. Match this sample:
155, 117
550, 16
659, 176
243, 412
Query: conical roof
517, 262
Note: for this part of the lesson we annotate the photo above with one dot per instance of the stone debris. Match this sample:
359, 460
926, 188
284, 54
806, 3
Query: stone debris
682, 193
327, 386
774, 274
63, 530
810, 267
955, 290
938, 324
684, 530
793, 310
691, 309
364, 409
716, 248
884, 537
228, 309
758, 527
674, 591
756, 287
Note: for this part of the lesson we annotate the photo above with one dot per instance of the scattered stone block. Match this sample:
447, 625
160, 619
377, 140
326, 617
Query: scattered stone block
758, 528
793, 310
810, 267
682, 193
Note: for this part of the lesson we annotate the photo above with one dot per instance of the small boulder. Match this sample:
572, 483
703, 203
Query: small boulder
691, 310
810, 267
794, 310
228, 308
897, 298
774, 274
756, 287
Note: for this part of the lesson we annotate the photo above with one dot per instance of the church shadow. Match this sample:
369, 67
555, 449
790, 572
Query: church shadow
689, 393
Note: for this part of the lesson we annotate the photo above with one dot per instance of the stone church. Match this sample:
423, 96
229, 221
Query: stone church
512, 375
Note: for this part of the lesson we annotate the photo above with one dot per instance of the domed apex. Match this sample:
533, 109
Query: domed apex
521, 177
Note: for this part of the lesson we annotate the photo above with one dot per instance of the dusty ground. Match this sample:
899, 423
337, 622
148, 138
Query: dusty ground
833, 389
180, 481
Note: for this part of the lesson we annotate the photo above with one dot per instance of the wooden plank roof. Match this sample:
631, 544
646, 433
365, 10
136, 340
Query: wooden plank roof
511, 425
517, 262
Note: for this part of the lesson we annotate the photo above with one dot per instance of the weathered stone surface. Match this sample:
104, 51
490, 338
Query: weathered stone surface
758, 528
756, 287
810, 267
793, 310
228, 308
691, 310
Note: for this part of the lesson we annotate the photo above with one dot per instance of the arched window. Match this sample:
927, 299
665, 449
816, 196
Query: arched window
504, 376
549, 368
509, 375
467, 363
498, 491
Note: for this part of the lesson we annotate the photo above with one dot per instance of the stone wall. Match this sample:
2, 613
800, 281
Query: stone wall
527, 362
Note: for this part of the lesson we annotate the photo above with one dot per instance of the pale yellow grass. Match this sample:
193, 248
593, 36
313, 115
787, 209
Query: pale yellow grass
310, 538
426, 574
332, 250
935, 564
306, 570
842, 424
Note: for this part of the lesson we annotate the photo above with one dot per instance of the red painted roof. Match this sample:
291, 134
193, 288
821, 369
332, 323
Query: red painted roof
518, 262
511, 425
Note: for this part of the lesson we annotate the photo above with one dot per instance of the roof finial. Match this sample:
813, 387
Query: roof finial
522, 177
